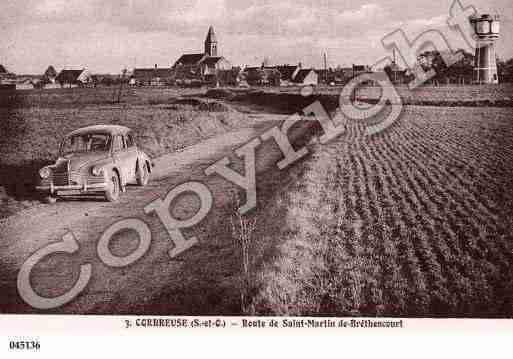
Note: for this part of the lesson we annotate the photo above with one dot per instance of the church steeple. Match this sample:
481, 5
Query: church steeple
211, 43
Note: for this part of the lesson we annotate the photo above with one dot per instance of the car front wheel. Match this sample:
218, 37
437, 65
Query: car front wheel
114, 188
49, 199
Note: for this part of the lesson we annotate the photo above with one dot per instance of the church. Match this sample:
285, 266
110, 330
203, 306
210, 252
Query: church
202, 66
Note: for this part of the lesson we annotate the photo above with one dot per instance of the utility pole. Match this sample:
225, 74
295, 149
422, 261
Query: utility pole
325, 56
123, 73
394, 68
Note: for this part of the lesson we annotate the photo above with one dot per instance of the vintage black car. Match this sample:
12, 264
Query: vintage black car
94, 160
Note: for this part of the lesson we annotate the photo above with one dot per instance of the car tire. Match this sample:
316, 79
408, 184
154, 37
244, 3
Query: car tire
142, 175
112, 193
49, 199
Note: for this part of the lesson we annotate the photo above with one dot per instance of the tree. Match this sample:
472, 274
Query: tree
229, 77
505, 70
461, 70
255, 77
273, 77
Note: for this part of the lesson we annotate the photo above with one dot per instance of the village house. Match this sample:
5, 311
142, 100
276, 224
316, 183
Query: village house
395, 74
28, 82
253, 75
306, 77
109, 79
344, 74
261, 76
341, 75
6, 77
326, 76
20, 82
152, 77
271, 76
202, 66
360, 69
74, 78
287, 73
281, 75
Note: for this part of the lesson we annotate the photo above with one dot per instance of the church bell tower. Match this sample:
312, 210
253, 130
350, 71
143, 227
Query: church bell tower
211, 43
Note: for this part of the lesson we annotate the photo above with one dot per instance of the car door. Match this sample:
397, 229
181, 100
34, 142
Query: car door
132, 154
121, 158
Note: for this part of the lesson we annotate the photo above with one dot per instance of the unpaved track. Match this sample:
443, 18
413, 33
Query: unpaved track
136, 288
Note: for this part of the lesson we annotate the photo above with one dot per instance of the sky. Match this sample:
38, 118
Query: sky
106, 36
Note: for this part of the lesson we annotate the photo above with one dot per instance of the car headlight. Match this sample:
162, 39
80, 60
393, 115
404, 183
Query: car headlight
97, 171
45, 172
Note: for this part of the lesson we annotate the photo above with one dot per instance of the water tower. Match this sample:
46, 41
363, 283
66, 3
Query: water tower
486, 28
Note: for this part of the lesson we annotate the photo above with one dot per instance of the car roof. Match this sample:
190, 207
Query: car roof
110, 129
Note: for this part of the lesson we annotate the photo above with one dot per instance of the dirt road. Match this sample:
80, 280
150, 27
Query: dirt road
194, 282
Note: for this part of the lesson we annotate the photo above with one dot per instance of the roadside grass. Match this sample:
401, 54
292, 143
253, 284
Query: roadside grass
100, 96
242, 232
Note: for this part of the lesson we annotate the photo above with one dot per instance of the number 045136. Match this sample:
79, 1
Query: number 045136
24, 345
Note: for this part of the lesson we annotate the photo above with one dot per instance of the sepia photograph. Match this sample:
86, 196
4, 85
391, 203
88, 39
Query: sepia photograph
218, 163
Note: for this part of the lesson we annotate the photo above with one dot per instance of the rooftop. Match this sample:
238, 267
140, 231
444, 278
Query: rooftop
110, 129
152, 73
190, 59
211, 36
301, 75
69, 76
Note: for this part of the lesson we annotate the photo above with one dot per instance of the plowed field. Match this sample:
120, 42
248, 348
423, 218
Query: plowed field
414, 221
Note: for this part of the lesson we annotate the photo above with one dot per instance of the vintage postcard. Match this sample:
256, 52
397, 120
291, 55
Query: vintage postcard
241, 164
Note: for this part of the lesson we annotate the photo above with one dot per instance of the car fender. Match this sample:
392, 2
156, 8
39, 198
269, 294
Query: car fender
106, 164
111, 169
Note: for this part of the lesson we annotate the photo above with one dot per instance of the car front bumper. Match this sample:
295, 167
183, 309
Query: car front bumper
73, 190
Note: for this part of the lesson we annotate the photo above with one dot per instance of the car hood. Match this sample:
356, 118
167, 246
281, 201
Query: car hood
77, 161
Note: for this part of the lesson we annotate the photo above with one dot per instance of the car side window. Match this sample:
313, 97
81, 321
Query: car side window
118, 143
129, 140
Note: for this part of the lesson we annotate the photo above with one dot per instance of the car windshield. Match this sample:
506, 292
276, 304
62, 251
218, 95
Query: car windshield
89, 142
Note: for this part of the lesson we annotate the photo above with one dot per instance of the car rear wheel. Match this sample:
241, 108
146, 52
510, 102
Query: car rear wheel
143, 175
112, 193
